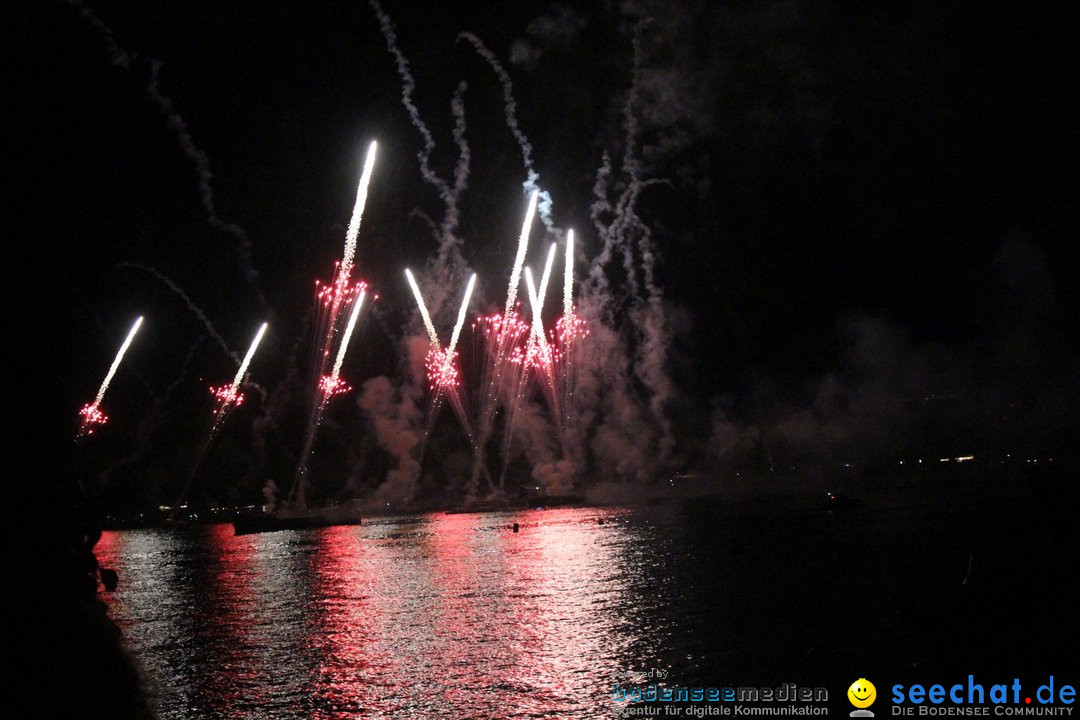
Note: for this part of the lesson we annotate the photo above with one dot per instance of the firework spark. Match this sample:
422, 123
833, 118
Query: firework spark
568, 276
229, 396
353, 230
461, 314
536, 297
330, 386
423, 309
333, 384
519, 259
536, 302
91, 412
444, 376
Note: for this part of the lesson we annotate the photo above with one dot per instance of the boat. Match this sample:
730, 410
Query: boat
249, 523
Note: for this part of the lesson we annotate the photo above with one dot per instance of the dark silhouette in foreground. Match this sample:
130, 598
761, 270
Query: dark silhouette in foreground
64, 656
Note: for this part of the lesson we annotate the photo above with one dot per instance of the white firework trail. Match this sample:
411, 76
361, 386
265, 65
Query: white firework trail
537, 304
328, 386
519, 259
461, 316
349, 256
116, 361
568, 276
423, 309
247, 359
536, 297
336, 372
548, 264
443, 372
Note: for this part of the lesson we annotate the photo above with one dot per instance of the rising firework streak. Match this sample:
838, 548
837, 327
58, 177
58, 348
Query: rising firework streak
519, 259
358, 213
423, 309
568, 277
335, 374
461, 314
91, 413
229, 396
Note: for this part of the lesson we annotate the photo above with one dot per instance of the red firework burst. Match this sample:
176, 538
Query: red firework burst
442, 369
227, 397
92, 416
330, 386
570, 328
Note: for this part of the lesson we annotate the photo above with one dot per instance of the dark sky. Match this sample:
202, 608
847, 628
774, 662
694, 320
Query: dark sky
873, 197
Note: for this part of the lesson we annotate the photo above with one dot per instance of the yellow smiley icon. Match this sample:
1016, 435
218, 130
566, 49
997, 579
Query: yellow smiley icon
862, 693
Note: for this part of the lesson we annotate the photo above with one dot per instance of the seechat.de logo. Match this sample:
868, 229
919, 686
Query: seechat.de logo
862, 694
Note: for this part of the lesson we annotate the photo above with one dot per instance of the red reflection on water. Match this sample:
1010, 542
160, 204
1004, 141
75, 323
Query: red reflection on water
519, 630
109, 548
444, 616
461, 612
109, 551
232, 665
342, 588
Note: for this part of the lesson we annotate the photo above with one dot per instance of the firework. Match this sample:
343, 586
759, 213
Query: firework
353, 230
461, 314
519, 259
444, 377
331, 300
499, 378
91, 416
499, 339
568, 275
91, 413
536, 297
423, 309
332, 384
327, 387
569, 331
228, 397
536, 303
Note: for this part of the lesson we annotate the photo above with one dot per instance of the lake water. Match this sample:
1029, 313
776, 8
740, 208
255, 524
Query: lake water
451, 616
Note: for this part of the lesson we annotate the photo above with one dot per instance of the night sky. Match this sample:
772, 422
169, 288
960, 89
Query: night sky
867, 241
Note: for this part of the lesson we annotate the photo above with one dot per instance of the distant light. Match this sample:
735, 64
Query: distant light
944, 460
901, 462
965, 458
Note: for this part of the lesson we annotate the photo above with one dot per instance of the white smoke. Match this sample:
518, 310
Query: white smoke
124, 59
396, 417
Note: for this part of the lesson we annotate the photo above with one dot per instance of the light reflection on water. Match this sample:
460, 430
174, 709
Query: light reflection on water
435, 616
457, 616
